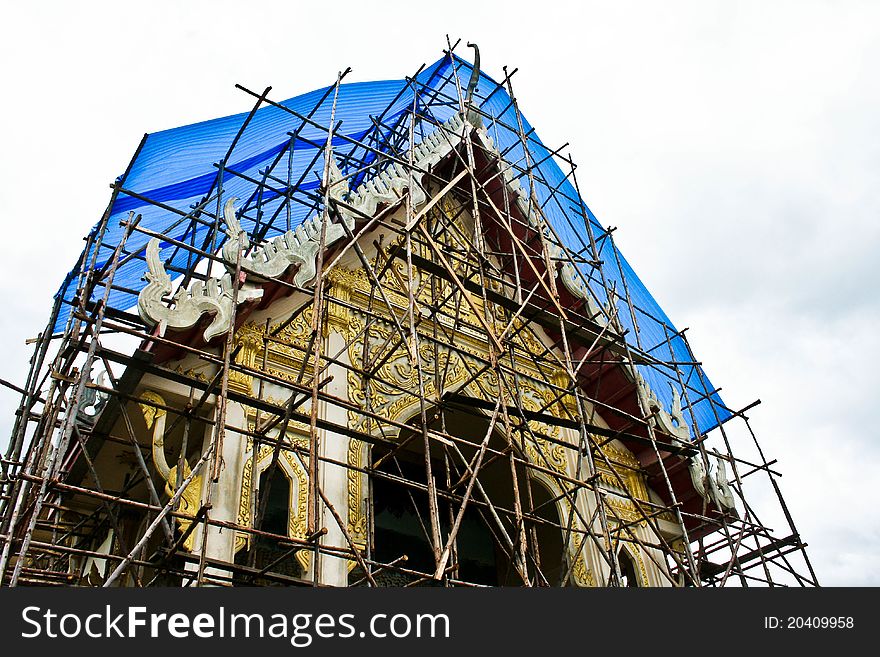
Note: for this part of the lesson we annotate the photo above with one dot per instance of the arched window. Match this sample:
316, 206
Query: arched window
401, 514
275, 494
402, 525
548, 534
628, 574
481, 555
274, 500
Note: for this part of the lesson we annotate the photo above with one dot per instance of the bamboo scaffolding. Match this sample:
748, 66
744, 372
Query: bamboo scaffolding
469, 262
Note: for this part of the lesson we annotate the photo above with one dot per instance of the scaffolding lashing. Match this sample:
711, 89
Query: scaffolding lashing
373, 336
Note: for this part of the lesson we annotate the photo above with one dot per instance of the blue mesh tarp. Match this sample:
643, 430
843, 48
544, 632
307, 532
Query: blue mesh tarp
255, 156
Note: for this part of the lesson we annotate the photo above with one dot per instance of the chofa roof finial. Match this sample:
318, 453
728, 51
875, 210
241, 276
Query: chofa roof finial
475, 73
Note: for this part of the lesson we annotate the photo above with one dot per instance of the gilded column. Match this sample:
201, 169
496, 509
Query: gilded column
334, 478
250, 338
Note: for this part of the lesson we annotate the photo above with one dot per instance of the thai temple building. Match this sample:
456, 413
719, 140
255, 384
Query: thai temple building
374, 336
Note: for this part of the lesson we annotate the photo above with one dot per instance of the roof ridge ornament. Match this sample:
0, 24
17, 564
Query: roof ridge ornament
211, 296
271, 259
670, 422
473, 116
712, 487
475, 73
720, 487
297, 246
300, 245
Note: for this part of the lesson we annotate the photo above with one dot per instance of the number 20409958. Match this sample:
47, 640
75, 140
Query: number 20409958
809, 622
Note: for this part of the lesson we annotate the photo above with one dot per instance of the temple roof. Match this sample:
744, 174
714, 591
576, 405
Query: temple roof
180, 179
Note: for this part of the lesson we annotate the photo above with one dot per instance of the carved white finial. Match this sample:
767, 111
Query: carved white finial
678, 422
698, 474
158, 285
211, 296
723, 493
236, 236
673, 424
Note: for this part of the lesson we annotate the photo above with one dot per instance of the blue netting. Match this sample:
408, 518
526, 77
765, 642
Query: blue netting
178, 170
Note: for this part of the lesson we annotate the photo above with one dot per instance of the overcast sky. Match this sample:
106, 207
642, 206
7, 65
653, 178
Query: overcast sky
736, 145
